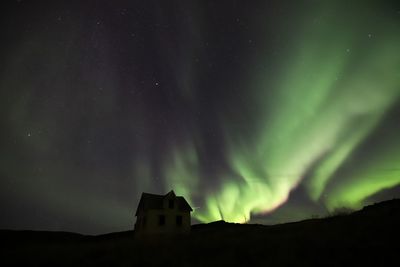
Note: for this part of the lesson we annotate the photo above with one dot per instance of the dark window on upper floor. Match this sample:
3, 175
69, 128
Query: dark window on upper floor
171, 204
179, 220
161, 220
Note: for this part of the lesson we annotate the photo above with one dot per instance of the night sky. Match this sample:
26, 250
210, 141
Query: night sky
257, 111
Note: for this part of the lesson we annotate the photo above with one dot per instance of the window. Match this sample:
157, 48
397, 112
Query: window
179, 220
161, 220
171, 204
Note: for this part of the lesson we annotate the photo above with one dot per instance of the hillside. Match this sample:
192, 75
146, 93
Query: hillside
366, 237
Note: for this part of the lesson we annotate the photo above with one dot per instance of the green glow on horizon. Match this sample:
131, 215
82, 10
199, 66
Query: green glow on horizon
331, 93
383, 172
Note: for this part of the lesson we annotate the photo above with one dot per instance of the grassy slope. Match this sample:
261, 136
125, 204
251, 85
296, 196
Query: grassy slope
366, 237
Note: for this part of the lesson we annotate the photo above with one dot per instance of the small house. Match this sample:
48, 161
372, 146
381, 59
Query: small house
158, 214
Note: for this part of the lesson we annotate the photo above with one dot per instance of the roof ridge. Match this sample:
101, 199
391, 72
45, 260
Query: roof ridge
150, 194
153, 201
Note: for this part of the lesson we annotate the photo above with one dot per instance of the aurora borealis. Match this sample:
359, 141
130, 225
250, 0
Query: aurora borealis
266, 112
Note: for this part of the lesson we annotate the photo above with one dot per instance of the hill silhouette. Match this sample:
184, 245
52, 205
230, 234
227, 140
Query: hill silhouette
366, 237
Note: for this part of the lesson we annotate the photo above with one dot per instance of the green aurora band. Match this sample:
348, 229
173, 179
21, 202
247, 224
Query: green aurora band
335, 83
320, 80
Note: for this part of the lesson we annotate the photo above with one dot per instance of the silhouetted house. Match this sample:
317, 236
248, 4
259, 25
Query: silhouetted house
157, 214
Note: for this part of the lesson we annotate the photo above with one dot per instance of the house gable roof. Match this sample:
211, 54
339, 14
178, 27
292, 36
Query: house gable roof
155, 202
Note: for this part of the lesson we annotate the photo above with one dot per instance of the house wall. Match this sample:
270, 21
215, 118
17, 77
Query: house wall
152, 221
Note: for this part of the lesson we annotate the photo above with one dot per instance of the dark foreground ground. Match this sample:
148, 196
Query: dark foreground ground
369, 237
